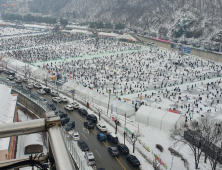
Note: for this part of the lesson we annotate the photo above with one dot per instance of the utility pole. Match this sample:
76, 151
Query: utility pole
125, 130
108, 102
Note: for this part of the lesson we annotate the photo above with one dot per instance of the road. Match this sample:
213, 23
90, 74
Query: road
99, 149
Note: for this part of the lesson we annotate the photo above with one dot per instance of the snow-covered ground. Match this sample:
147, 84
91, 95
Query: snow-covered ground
6, 31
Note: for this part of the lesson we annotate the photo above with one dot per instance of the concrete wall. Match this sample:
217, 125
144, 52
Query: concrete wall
206, 54
194, 51
30, 105
159, 43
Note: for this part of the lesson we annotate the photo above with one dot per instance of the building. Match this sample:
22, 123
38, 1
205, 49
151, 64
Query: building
8, 114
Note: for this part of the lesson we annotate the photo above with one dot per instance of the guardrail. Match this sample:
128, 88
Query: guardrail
75, 152
26, 93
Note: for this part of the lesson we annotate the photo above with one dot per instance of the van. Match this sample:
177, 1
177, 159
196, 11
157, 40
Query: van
90, 158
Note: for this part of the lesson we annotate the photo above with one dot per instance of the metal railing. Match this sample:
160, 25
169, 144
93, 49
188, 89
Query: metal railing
75, 152
19, 89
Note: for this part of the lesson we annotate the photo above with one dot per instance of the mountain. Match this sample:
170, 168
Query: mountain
194, 19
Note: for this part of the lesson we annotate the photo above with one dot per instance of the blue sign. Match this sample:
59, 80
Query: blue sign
186, 49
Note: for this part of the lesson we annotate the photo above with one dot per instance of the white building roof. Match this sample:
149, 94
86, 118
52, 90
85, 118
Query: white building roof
8, 106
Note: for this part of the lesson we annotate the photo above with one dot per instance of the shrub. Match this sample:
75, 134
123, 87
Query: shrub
158, 146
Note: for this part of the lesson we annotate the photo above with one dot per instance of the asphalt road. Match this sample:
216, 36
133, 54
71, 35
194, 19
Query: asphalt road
100, 149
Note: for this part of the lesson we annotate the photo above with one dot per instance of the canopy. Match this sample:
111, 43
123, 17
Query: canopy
157, 118
125, 109
97, 99
105, 102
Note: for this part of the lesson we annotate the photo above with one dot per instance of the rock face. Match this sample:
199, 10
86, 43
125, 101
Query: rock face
167, 18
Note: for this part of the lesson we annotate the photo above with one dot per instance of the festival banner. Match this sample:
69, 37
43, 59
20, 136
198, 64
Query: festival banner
160, 161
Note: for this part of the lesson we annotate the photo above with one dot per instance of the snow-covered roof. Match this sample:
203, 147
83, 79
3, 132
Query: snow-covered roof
108, 34
35, 26
8, 106
80, 31
125, 109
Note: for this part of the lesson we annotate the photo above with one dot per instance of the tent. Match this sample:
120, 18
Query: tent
125, 109
105, 102
116, 103
157, 118
142, 115
71, 84
78, 89
92, 94
84, 93
97, 99
170, 119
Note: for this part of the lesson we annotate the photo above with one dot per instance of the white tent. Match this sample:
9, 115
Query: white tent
97, 100
142, 115
155, 118
158, 118
84, 93
72, 84
92, 94
116, 103
125, 109
105, 102
170, 119
78, 89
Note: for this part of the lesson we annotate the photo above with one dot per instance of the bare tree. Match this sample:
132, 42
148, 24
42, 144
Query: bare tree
35, 76
27, 71
46, 79
5, 62
191, 136
216, 156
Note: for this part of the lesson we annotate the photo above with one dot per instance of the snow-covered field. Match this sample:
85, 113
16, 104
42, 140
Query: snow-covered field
8, 31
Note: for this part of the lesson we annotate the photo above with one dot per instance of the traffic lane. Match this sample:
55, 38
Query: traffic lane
99, 149
121, 157
107, 161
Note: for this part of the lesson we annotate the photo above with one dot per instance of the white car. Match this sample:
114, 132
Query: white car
30, 86
41, 91
64, 99
68, 107
53, 93
56, 99
76, 136
37, 85
75, 105
10, 77
101, 126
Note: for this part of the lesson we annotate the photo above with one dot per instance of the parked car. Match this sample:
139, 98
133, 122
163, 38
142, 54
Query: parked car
76, 136
123, 149
113, 150
70, 126
90, 158
75, 105
64, 99
101, 126
65, 120
91, 117
112, 137
54, 94
83, 146
41, 91
56, 99
82, 111
101, 137
37, 85
101, 169
133, 160
68, 107
52, 106
62, 115
88, 124
47, 90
